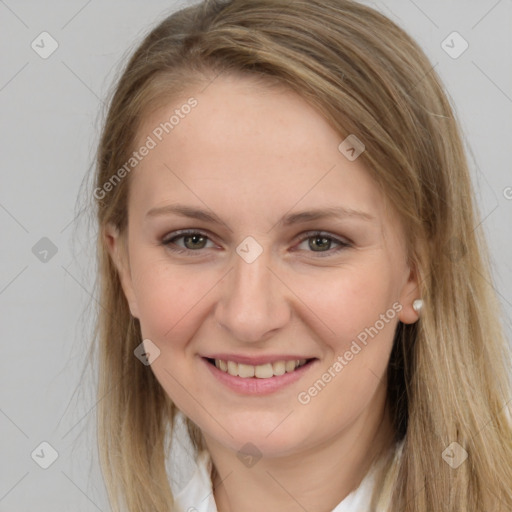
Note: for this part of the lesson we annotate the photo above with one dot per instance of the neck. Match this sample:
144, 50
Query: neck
311, 479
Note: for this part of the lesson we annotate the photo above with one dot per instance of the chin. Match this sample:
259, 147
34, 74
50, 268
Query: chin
275, 441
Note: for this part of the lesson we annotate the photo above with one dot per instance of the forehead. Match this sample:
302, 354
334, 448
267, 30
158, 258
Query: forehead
265, 148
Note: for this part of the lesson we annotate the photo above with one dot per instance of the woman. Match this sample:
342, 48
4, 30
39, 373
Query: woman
243, 139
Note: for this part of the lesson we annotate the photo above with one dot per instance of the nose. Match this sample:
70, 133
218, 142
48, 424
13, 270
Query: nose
254, 302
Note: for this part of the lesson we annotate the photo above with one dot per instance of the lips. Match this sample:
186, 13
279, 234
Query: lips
265, 376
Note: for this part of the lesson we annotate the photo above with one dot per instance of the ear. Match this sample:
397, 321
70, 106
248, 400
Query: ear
116, 245
409, 293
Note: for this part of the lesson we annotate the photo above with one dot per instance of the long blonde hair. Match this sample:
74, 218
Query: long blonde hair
448, 374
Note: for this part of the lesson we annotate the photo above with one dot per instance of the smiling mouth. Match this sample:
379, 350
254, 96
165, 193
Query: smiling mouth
261, 371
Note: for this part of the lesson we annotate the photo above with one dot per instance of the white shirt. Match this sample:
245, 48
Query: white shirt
197, 495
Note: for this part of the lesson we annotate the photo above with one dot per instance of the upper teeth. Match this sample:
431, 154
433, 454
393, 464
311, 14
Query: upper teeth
262, 371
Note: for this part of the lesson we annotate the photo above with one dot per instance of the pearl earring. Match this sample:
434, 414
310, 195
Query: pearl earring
417, 305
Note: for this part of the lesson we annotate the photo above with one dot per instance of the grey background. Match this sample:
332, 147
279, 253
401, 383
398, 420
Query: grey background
51, 114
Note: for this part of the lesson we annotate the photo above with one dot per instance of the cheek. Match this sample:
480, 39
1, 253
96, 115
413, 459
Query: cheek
171, 303
168, 296
352, 299
362, 311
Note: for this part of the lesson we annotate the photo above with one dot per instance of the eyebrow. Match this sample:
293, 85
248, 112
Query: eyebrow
287, 220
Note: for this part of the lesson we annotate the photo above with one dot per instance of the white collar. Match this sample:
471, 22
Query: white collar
197, 495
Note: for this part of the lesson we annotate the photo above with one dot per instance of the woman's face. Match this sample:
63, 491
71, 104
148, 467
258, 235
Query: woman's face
253, 287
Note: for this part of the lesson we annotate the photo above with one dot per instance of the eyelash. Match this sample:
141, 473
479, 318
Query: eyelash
169, 242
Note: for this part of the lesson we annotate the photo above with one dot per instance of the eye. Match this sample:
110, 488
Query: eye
320, 242
193, 241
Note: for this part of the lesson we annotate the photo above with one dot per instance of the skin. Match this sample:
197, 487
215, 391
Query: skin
251, 155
